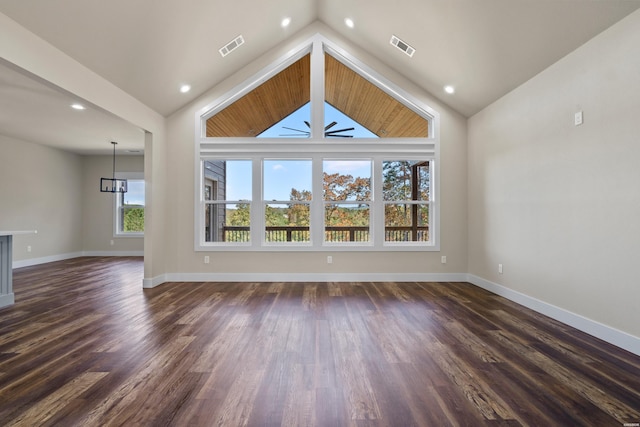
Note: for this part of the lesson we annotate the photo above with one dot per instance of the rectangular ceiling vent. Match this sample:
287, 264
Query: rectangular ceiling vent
402, 46
231, 46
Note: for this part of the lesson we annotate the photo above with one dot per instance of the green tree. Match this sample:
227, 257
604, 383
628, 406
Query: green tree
405, 181
298, 213
239, 217
133, 219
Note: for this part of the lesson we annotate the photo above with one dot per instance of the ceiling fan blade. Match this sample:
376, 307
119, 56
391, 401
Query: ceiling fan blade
330, 125
308, 124
297, 130
338, 136
338, 131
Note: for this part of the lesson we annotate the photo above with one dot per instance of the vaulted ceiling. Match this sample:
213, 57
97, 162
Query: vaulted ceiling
149, 48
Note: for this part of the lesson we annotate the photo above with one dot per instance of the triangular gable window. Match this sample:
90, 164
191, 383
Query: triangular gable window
365, 103
265, 105
281, 107
297, 125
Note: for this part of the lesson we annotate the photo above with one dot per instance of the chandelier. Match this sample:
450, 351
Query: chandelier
113, 185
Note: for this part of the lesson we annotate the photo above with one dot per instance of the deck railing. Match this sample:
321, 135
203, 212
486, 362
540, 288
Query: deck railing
332, 234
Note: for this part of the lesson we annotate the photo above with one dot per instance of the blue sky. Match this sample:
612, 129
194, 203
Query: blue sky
296, 120
280, 176
135, 192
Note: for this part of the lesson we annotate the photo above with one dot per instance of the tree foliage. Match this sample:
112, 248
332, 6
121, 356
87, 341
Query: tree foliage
239, 217
133, 220
407, 183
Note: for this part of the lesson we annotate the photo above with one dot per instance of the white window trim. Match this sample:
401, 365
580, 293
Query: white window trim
317, 149
116, 217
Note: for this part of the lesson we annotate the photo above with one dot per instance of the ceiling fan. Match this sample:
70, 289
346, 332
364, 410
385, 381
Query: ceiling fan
337, 133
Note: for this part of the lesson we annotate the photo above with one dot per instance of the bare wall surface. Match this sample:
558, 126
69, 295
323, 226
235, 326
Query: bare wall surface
40, 189
558, 204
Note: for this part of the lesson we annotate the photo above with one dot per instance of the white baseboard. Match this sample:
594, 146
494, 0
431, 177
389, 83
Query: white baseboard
44, 260
606, 333
113, 253
61, 257
311, 277
154, 281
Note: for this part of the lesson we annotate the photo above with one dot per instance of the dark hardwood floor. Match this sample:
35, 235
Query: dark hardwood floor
85, 345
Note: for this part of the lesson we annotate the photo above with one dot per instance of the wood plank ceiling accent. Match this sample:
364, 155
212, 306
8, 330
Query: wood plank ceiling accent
345, 90
266, 105
368, 105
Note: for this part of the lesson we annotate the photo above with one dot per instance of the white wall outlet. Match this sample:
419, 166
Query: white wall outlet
577, 119
28, 248
500, 268
206, 259
443, 259
111, 242
329, 259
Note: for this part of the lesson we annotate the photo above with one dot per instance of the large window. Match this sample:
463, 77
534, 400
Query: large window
287, 198
129, 208
346, 187
332, 162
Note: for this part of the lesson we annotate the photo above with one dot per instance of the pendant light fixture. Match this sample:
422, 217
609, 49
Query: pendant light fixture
113, 185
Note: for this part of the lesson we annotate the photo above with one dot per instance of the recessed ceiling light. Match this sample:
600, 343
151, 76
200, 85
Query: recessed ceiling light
185, 88
77, 106
349, 22
449, 89
285, 22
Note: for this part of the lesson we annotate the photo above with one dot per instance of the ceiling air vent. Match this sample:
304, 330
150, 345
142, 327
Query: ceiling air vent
231, 46
402, 46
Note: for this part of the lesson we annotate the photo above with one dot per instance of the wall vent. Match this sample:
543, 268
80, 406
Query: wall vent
402, 46
231, 46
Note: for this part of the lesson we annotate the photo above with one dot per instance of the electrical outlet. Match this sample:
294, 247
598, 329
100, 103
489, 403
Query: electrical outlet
28, 248
499, 268
577, 119
329, 259
111, 242
443, 259
206, 259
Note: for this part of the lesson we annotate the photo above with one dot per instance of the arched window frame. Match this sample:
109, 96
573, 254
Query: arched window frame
317, 148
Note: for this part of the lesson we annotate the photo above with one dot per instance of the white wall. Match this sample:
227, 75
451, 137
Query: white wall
559, 205
40, 189
180, 241
97, 232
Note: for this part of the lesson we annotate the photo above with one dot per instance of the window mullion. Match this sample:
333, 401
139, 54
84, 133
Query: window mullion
317, 204
317, 90
257, 205
377, 204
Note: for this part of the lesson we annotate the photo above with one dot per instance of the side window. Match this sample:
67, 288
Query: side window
407, 194
129, 209
227, 200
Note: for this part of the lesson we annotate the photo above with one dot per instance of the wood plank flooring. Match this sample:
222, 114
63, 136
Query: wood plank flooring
85, 345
